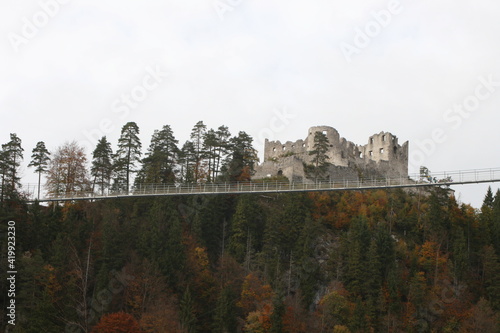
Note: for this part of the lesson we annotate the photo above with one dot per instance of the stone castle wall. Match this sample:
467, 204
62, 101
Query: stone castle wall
382, 156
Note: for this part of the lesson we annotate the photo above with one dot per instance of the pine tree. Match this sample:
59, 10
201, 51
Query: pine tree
239, 233
40, 160
36, 294
222, 148
319, 151
4, 173
245, 228
488, 198
11, 160
486, 219
460, 257
495, 223
373, 267
354, 245
168, 152
197, 134
278, 313
187, 315
102, 166
243, 158
491, 275
127, 155
187, 161
225, 312
209, 146
358, 320
354, 273
373, 282
308, 268
160, 161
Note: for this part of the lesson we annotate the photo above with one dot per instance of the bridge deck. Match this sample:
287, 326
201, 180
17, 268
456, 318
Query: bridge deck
436, 179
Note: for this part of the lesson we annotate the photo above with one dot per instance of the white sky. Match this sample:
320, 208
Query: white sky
65, 65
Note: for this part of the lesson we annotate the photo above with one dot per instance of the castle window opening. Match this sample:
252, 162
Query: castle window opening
380, 156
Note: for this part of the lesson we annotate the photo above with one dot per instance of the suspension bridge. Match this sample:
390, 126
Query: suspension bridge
440, 179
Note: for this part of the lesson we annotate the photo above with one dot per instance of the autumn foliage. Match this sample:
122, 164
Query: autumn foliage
119, 322
371, 261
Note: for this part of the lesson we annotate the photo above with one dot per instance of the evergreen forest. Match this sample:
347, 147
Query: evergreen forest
353, 261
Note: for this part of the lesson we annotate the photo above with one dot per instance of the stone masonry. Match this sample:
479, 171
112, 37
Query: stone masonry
382, 156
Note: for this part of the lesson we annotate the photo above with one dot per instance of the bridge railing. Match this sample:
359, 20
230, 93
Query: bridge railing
439, 178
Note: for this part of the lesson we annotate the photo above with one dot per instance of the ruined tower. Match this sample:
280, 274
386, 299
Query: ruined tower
382, 156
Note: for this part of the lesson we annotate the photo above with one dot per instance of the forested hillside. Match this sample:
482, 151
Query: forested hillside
352, 261
372, 261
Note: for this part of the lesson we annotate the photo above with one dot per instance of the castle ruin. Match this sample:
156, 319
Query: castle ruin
382, 156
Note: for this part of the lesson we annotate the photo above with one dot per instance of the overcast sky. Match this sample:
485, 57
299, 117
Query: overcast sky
426, 71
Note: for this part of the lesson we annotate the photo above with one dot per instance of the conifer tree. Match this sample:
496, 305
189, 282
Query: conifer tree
187, 315
187, 161
486, 218
222, 148
460, 258
210, 144
197, 134
239, 233
319, 151
245, 228
488, 198
354, 245
12, 155
40, 160
278, 313
4, 173
127, 155
373, 268
159, 165
491, 275
225, 314
495, 223
102, 165
243, 158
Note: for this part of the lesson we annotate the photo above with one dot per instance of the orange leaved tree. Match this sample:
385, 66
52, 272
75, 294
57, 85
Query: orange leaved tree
118, 322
